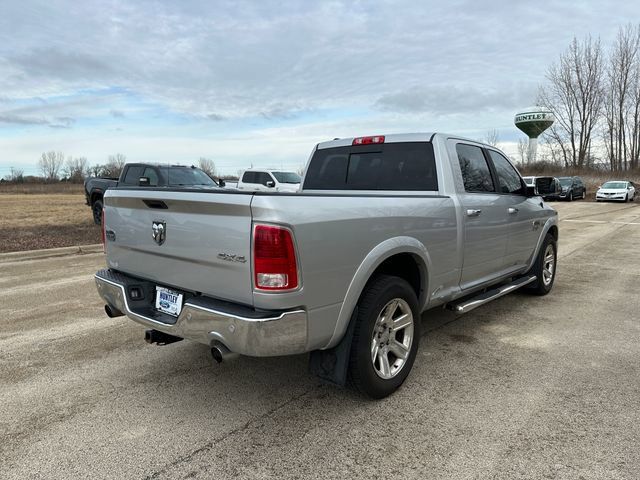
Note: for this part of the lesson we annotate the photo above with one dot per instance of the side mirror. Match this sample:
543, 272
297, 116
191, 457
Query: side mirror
271, 183
144, 181
221, 182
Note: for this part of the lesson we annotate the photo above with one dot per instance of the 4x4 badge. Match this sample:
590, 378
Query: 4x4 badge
159, 229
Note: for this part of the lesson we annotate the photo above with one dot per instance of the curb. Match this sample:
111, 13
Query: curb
50, 252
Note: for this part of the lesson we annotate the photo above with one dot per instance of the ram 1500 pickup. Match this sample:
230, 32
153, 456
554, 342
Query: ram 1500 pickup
382, 229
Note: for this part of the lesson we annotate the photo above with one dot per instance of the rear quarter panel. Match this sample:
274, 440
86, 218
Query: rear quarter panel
334, 235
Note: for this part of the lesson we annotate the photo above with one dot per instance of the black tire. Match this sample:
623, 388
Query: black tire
626, 198
380, 292
570, 197
542, 286
96, 208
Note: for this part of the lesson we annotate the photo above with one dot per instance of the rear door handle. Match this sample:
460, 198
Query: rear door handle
473, 213
513, 210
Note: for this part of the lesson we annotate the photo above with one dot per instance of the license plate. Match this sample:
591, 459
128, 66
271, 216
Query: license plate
168, 301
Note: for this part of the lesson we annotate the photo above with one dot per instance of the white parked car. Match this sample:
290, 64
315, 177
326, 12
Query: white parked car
269, 180
619, 190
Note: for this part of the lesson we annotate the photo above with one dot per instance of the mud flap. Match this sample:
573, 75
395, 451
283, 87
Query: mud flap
332, 365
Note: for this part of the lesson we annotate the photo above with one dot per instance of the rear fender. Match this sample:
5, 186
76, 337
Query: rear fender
371, 262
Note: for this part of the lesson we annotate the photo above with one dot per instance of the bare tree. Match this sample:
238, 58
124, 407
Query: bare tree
492, 138
574, 93
114, 165
523, 151
95, 170
621, 82
16, 175
50, 164
208, 166
75, 169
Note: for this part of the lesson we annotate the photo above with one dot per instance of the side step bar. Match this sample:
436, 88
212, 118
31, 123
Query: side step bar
464, 306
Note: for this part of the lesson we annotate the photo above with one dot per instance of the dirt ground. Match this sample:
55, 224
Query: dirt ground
29, 222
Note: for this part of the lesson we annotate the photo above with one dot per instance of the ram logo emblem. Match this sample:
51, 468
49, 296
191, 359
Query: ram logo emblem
159, 231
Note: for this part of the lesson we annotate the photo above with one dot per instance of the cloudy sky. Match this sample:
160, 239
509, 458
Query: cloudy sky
260, 82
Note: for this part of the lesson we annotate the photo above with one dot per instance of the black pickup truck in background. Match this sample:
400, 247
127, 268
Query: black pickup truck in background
145, 174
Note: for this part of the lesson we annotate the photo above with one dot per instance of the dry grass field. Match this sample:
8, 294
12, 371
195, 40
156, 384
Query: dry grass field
42, 188
34, 221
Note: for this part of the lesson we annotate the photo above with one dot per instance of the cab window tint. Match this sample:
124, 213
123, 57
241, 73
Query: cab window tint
408, 166
133, 175
152, 175
263, 178
475, 170
508, 177
249, 177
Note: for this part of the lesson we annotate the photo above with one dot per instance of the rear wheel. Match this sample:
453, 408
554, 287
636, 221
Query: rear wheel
545, 267
386, 336
96, 208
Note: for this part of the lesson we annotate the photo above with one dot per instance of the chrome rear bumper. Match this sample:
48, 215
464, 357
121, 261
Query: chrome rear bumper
204, 320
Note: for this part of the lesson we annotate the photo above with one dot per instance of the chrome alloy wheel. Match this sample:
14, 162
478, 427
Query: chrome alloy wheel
548, 265
392, 338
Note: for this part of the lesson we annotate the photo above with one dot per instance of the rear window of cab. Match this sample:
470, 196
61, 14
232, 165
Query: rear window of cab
389, 166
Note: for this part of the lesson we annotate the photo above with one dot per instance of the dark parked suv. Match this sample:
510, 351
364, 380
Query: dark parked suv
571, 188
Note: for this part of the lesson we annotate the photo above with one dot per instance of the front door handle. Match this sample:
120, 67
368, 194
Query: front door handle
513, 210
473, 213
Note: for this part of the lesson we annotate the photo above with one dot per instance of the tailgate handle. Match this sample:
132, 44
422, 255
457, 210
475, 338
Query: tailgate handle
159, 204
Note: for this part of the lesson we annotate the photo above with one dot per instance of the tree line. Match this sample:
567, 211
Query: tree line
594, 93
54, 167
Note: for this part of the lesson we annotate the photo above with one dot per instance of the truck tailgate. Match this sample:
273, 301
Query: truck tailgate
206, 246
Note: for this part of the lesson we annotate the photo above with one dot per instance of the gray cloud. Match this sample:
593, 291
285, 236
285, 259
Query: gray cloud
116, 113
62, 122
456, 99
12, 119
54, 63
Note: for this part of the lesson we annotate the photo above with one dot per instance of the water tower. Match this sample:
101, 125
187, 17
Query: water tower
533, 121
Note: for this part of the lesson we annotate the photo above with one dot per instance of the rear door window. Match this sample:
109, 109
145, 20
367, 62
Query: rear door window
476, 174
406, 166
263, 178
249, 177
508, 177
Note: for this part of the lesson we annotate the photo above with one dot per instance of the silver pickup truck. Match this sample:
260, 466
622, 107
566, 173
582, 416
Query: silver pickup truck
382, 229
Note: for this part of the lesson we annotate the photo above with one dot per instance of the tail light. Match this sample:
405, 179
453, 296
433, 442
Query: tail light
368, 140
274, 258
104, 232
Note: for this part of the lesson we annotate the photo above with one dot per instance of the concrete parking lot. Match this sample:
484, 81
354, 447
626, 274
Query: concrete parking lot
525, 387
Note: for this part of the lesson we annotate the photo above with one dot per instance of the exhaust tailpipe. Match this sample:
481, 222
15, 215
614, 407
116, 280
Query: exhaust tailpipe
112, 312
219, 353
160, 338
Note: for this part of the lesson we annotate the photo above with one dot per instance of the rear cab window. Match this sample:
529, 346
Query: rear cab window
406, 166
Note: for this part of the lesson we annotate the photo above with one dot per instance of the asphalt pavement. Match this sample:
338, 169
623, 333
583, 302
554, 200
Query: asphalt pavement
524, 387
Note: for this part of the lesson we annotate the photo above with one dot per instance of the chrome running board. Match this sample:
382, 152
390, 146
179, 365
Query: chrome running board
464, 306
